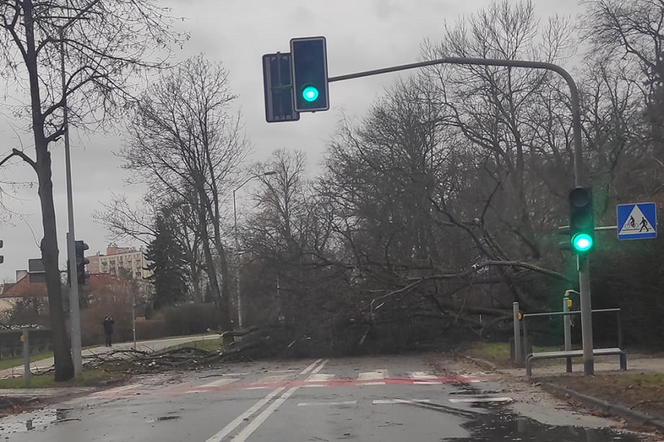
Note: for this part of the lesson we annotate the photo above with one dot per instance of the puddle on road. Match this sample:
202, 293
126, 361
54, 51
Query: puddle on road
495, 427
34, 420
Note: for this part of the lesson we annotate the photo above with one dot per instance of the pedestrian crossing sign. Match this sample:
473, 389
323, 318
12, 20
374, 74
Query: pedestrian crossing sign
637, 221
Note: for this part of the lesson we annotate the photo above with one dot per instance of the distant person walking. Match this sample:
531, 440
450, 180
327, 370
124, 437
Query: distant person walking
108, 330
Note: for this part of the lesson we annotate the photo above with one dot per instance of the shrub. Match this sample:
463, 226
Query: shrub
188, 319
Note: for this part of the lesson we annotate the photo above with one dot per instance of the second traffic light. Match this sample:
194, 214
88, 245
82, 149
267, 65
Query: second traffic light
581, 220
309, 68
81, 262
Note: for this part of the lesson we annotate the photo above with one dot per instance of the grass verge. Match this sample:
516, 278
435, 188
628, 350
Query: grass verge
18, 362
497, 353
89, 378
642, 392
205, 344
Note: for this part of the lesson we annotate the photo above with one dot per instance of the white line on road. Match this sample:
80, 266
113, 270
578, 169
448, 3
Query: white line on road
310, 367
320, 377
272, 379
311, 404
116, 390
218, 383
422, 376
481, 399
400, 401
258, 420
246, 415
372, 375
228, 429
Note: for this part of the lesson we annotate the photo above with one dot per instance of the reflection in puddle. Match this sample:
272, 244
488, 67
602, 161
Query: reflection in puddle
509, 427
33, 420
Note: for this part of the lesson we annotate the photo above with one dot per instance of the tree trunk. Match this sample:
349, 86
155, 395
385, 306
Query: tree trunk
64, 367
224, 318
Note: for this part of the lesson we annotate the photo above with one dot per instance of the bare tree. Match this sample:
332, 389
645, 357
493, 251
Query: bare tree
184, 142
104, 44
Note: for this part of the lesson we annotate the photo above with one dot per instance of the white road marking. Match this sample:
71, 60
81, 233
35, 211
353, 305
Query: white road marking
258, 420
400, 401
246, 415
320, 377
422, 376
481, 399
376, 375
366, 384
114, 391
256, 388
228, 429
311, 404
218, 383
272, 379
310, 367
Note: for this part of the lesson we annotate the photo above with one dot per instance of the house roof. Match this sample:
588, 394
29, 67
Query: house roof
25, 289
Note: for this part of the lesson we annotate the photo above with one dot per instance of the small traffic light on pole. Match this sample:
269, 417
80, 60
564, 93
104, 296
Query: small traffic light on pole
2, 258
81, 261
581, 220
309, 68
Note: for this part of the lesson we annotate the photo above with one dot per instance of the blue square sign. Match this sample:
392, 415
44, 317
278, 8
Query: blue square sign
637, 221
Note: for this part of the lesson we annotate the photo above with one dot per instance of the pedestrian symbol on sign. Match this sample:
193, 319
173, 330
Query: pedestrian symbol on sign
637, 221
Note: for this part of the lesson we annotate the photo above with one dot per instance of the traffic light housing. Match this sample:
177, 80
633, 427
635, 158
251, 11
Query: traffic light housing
278, 88
2, 258
309, 68
581, 220
81, 261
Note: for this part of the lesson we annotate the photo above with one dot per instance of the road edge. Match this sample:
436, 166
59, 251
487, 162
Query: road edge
607, 407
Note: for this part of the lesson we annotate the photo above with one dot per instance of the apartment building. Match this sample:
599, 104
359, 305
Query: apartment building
117, 259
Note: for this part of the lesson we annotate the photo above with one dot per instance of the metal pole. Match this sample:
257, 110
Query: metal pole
586, 316
74, 313
27, 374
517, 333
237, 259
567, 331
584, 277
133, 316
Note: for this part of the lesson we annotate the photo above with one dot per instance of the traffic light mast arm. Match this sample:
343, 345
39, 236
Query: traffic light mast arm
574, 92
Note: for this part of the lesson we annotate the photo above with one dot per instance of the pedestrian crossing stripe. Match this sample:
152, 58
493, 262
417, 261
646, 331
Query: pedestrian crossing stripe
637, 221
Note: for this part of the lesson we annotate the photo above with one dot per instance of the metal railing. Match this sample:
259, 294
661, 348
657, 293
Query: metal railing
521, 343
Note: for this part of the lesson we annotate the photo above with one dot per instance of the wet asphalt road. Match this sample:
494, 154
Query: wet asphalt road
361, 399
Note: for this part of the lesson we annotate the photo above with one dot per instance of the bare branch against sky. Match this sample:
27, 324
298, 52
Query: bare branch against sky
360, 34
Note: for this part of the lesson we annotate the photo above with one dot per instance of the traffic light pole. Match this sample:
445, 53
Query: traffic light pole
583, 264
74, 312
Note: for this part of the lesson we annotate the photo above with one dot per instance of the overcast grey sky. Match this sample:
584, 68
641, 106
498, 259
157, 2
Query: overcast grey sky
361, 34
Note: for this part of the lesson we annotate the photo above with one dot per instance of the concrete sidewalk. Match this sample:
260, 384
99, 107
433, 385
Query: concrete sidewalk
147, 346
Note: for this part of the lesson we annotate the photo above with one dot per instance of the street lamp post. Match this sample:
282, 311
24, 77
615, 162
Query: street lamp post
237, 245
74, 311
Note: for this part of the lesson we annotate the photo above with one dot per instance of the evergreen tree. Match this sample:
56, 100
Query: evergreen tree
167, 265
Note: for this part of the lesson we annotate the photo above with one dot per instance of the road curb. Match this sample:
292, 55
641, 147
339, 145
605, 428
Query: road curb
607, 407
481, 362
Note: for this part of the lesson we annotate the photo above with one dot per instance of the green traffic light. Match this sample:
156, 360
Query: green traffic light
582, 242
310, 93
